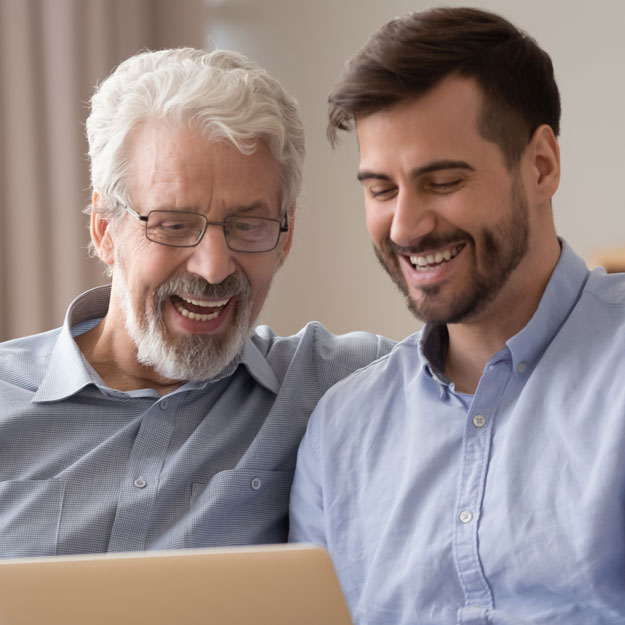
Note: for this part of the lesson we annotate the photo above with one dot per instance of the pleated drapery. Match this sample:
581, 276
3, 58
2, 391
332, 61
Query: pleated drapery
52, 54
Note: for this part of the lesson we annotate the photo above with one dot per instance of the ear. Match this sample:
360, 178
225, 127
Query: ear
287, 241
100, 229
544, 153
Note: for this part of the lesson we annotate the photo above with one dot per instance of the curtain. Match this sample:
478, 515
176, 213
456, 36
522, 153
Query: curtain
52, 54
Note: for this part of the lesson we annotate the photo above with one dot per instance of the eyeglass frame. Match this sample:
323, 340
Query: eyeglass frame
284, 227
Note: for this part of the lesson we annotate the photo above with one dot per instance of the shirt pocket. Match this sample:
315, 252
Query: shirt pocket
241, 506
29, 517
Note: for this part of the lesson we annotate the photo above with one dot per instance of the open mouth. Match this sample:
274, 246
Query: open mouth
198, 310
425, 262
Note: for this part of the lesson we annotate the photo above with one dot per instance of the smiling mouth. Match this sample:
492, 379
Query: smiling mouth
198, 310
425, 262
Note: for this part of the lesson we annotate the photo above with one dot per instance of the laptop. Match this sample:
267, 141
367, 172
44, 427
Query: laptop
262, 585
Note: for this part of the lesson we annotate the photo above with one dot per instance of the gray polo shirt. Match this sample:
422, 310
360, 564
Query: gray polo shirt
85, 468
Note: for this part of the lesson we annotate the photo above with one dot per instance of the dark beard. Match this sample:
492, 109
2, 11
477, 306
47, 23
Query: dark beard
502, 247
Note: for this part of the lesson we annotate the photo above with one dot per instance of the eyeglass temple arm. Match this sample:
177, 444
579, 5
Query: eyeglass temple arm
134, 213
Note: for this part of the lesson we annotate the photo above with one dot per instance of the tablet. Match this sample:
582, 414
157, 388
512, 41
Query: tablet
261, 585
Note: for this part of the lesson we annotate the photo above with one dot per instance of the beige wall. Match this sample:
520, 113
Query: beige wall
331, 275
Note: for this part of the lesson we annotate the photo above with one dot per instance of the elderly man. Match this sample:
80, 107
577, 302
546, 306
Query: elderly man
475, 474
155, 418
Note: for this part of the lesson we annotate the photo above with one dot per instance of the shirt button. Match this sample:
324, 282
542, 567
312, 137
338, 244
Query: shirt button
479, 421
164, 403
521, 367
256, 483
140, 482
465, 516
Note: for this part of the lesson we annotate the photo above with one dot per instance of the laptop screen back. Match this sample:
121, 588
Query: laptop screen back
266, 585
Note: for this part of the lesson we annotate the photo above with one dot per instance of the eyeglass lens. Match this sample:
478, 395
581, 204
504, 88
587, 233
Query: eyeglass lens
246, 234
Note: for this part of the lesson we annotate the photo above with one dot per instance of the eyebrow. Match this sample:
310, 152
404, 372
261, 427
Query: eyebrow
419, 171
261, 205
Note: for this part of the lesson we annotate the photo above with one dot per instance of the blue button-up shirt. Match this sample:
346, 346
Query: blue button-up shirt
85, 468
502, 507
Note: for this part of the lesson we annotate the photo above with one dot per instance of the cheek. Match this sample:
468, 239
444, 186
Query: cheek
260, 274
379, 223
147, 267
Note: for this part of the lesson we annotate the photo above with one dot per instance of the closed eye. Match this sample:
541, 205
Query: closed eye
241, 225
381, 193
445, 187
173, 226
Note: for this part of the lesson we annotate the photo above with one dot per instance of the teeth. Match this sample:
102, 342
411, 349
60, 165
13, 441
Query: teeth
199, 316
421, 262
196, 316
196, 302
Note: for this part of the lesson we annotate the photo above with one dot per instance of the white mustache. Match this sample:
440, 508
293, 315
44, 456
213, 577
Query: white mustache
194, 286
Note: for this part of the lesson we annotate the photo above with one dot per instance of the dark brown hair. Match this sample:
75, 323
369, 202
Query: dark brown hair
409, 55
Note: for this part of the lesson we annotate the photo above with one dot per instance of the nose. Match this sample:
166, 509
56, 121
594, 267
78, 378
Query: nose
211, 258
412, 218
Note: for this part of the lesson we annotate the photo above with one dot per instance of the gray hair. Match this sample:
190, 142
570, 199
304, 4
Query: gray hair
221, 93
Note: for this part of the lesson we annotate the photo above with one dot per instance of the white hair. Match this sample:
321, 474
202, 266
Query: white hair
221, 93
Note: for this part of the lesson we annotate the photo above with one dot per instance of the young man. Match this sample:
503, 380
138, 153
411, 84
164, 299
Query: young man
156, 418
475, 474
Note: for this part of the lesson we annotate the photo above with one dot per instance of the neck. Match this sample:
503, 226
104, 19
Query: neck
112, 354
472, 343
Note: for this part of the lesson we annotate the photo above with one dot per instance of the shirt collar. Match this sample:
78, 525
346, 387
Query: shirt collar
561, 294
259, 368
433, 347
68, 371
256, 365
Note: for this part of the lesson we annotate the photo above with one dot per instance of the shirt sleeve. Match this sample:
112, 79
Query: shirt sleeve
306, 506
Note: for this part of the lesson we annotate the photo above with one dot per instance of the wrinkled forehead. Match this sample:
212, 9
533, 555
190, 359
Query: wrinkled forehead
182, 168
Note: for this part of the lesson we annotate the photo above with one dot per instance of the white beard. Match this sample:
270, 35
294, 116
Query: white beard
193, 357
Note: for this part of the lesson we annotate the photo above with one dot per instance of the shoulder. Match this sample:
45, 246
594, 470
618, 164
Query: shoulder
601, 306
23, 361
327, 357
391, 371
317, 343
594, 332
354, 413
607, 288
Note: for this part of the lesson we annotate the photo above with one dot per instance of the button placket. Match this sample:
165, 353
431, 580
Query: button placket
476, 449
136, 499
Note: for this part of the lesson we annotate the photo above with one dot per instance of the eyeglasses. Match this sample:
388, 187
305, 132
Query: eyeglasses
186, 229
